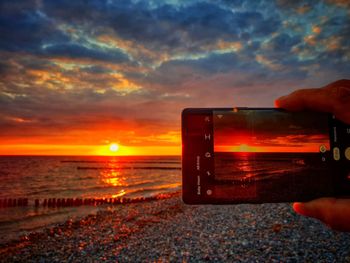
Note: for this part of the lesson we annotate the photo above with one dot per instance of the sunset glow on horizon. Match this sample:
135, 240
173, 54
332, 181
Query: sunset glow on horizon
309, 148
86, 150
77, 77
114, 147
283, 144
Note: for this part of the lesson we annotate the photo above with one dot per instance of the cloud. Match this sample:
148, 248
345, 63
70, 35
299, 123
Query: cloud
165, 28
95, 119
78, 51
283, 42
97, 69
27, 29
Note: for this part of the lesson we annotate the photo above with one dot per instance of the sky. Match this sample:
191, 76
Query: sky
76, 76
264, 131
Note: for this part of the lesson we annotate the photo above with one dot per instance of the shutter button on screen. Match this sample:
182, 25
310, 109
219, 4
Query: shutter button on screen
347, 153
336, 153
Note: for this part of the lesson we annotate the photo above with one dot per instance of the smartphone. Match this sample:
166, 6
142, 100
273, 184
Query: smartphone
262, 155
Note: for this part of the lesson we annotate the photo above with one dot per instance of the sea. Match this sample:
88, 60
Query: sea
273, 177
266, 165
48, 177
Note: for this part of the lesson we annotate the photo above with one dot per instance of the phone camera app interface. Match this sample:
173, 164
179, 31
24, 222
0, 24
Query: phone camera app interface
270, 155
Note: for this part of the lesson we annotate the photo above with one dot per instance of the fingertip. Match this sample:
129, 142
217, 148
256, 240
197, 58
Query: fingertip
279, 103
299, 208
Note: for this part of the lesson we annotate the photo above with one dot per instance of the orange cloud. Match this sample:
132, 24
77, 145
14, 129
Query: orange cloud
303, 9
268, 63
310, 39
66, 73
332, 43
316, 29
136, 50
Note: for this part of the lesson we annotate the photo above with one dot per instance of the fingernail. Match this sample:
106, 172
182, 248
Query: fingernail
279, 100
299, 208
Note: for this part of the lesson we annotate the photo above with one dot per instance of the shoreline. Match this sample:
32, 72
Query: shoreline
168, 230
55, 213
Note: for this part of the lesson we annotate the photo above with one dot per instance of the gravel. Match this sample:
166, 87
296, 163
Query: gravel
168, 230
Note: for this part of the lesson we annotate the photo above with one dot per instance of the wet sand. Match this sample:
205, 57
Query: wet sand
168, 230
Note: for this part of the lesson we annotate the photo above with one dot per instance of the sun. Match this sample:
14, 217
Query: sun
244, 148
113, 147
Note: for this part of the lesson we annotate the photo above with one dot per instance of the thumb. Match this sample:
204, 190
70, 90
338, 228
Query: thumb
333, 212
334, 98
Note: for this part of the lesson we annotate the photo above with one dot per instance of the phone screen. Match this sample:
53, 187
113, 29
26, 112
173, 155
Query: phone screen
270, 155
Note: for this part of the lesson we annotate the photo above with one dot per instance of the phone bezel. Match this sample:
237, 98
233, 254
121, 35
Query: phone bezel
341, 186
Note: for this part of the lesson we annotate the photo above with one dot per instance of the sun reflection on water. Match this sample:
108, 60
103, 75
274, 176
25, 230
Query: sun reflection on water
113, 176
246, 165
121, 193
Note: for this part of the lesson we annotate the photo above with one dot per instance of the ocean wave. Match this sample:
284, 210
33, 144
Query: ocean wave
144, 191
56, 192
53, 192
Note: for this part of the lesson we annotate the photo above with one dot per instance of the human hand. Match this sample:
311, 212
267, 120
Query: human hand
333, 98
333, 212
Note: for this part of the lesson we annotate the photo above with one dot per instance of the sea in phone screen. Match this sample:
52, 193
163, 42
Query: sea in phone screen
270, 155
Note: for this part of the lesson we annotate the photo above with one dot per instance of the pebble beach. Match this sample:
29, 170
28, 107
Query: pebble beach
167, 230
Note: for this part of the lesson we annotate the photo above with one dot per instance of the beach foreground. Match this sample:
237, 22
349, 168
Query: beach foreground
168, 230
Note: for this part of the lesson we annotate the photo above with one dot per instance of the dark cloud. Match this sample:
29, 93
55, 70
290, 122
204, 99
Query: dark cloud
96, 70
78, 51
284, 42
174, 74
26, 29
211, 64
166, 27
